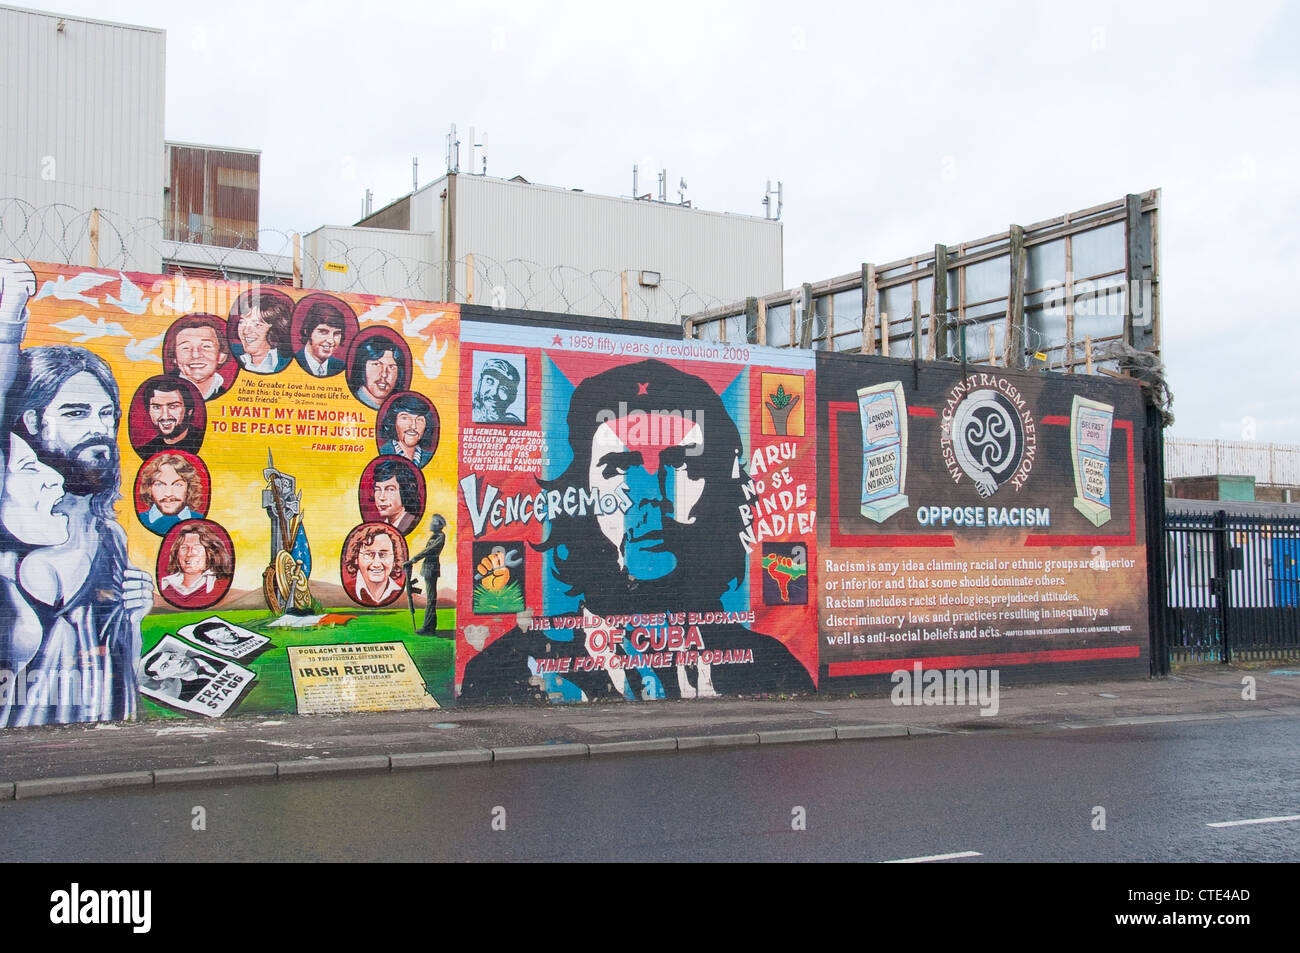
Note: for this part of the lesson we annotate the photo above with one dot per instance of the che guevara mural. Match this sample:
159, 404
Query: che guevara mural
224, 498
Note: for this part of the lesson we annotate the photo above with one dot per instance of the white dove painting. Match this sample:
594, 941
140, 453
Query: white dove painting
143, 350
182, 297
381, 313
88, 330
63, 288
129, 296
431, 363
412, 327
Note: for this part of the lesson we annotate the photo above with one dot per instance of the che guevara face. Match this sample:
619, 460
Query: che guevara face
646, 457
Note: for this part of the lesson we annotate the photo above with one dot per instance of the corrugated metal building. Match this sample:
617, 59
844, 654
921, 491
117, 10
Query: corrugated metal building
518, 244
211, 195
83, 129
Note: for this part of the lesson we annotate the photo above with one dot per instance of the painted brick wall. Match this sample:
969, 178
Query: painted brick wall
450, 506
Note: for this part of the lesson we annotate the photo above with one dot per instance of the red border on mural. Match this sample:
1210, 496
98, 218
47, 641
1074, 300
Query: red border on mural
1043, 539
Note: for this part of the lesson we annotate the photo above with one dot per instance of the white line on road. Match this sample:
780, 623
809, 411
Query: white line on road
1256, 820
926, 860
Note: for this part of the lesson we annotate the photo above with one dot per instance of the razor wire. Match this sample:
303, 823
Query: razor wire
62, 234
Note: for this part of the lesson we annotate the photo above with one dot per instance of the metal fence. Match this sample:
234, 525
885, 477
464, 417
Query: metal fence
1233, 590
1269, 463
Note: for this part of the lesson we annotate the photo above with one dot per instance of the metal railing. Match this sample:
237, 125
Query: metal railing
1233, 586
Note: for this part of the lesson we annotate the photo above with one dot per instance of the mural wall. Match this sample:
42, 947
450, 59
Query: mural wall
637, 517
221, 498
224, 499
978, 517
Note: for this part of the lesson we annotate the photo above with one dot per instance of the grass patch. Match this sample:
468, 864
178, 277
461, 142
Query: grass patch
273, 693
510, 598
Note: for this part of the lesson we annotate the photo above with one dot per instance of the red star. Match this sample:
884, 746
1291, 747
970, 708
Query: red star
642, 388
556, 342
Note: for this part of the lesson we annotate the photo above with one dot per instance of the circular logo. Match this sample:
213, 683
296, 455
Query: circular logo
987, 439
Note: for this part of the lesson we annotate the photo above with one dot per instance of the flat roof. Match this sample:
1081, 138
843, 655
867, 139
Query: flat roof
80, 19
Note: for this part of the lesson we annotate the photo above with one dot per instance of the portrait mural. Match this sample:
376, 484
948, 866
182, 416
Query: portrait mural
227, 412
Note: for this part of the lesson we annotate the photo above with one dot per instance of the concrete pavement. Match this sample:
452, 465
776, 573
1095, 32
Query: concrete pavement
58, 760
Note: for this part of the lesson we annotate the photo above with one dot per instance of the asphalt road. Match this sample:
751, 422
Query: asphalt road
1001, 795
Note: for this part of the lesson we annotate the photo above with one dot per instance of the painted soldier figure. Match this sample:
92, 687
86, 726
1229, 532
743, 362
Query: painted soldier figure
430, 571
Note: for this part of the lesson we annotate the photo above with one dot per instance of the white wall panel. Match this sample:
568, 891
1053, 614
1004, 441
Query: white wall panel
579, 242
83, 129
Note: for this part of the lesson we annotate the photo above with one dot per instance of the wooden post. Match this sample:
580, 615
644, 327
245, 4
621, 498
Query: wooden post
688, 329
1087, 353
751, 318
469, 278
939, 305
622, 276
297, 260
884, 334
932, 345
762, 322
806, 333
1155, 279
916, 311
94, 237
1139, 270
830, 322
1069, 297
993, 343
868, 309
1015, 334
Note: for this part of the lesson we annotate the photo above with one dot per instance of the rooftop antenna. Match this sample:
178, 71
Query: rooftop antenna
477, 145
636, 185
663, 186
415, 173
453, 150
681, 193
767, 200
367, 203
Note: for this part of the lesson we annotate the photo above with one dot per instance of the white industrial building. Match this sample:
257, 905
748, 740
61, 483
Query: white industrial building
83, 129
517, 244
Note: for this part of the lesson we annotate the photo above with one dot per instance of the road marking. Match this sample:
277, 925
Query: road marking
926, 860
1256, 820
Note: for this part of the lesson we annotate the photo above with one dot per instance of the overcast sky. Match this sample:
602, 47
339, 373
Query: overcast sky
892, 130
